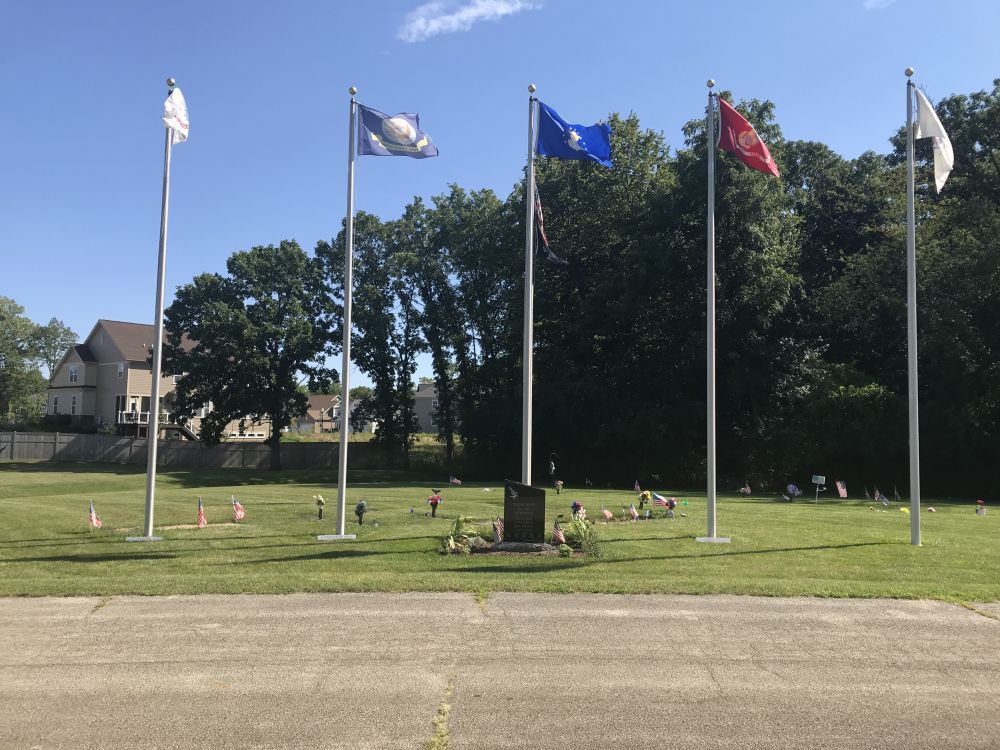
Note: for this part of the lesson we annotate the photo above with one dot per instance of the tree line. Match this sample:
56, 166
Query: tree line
811, 314
25, 348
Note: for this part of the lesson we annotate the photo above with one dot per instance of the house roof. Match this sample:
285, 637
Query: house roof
134, 340
319, 401
84, 353
426, 390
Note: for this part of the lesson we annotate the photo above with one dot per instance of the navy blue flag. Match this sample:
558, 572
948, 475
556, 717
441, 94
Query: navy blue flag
381, 135
564, 140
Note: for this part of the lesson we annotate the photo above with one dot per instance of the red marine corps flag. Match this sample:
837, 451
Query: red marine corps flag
737, 136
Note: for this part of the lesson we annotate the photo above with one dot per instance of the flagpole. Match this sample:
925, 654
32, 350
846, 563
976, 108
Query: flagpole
710, 325
153, 430
911, 320
345, 370
529, 295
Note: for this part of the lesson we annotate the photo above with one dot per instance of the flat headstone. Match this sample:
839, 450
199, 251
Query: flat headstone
523, 513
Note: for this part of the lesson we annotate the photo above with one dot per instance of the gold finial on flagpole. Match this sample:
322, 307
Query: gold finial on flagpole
909, 72
531, 88
353, 90
171, 82
710, 82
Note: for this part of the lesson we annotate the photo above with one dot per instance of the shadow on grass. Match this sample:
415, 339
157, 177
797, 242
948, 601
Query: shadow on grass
96, 558
688, 556
72, 467
539, 568
236, 476
332, 554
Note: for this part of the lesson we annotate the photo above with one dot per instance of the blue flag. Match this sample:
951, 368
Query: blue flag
564, 140
381, 135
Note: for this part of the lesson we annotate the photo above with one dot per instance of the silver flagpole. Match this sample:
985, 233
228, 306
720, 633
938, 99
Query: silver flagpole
153, 430
345, 373
911, 321
529, 294
710, 325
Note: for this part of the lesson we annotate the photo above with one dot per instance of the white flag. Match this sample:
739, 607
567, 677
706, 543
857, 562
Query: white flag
175, 116
929, 126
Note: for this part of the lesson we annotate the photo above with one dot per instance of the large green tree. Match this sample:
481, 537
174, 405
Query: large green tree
386, 337
51, 342
22, 387
243, 341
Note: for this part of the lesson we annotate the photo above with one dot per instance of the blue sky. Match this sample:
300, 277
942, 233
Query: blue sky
81, 141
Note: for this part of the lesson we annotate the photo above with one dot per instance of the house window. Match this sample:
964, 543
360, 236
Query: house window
74, 373
121, 370
72, 405
55, 404
434, 404
177, 379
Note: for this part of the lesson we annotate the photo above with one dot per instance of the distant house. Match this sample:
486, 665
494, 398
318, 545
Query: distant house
107, 380
425, 406
322, 415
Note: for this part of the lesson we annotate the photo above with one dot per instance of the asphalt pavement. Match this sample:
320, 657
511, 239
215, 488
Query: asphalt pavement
516, 671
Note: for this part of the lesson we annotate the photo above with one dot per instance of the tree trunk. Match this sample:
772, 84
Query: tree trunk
275, 441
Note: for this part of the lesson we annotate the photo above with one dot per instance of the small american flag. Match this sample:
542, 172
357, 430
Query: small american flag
880, 498
454, 480
586, 481
497, 532
94, 520
841, 488
867, 495
238, 511
637, 487
202, 523
660, 500
557, 533
608, 515
500, 525
633, 512
895, 493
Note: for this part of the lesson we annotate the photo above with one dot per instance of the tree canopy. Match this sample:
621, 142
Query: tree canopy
244, 341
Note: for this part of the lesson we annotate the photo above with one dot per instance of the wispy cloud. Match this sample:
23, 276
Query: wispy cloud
877, 4
444, 17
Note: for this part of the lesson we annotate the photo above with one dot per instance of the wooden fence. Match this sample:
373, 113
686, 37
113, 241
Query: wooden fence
57, 446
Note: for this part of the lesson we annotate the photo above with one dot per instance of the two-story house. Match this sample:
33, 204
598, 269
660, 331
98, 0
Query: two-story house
107, 380
322, 415
425, 406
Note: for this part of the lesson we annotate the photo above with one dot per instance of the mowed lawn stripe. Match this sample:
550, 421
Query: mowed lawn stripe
830, 548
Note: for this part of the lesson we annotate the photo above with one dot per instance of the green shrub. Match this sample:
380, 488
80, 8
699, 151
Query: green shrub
565, 550
583, 534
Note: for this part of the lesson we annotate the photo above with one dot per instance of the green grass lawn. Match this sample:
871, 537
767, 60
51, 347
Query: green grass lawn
833, 548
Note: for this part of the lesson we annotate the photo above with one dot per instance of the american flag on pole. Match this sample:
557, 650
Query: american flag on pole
608, 515
95, 522
557, 533
546, 251
238, 511
454, 480
202, 523
637, 487
841, 488
633, 512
